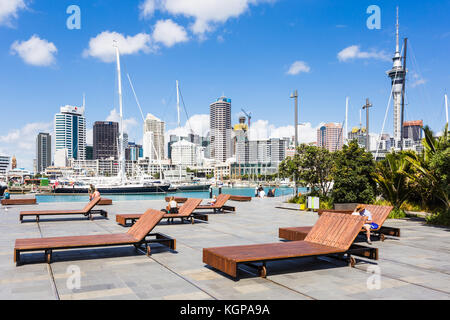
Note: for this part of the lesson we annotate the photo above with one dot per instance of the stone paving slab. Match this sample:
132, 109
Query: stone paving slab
416, 266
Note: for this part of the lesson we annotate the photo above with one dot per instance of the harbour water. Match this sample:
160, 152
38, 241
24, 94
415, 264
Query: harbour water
250, 192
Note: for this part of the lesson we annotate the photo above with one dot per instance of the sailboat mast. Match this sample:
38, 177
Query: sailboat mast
179, 138
178, 103
346, 121
121, 144
446, 107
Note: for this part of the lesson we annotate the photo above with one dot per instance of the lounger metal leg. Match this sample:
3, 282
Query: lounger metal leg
37, 218
17, 257
148, 250
48, 256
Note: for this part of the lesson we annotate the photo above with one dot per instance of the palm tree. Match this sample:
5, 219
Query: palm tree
390, 174
426, 173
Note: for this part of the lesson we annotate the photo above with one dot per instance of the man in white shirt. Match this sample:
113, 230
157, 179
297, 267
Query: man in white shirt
362, 211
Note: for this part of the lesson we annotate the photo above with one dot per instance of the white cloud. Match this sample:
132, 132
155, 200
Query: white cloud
22, 142
35, 51
199, 124
9, 10
354, 52
206, 13
298, 67
169, 33
101, 46
128, 124
417, 80
261, 130
147, 8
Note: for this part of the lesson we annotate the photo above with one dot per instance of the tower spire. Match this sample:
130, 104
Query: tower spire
397, 47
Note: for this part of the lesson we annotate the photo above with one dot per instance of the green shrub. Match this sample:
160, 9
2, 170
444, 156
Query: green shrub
397, 214
298, 200
440, 218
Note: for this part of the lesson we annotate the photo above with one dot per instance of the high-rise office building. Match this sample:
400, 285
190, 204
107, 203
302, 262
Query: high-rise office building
185, 153
413, 130
70, 132
330, 136
89, 152
220, 129
4, 163
43, 152
133, 151
153, 142
106, 140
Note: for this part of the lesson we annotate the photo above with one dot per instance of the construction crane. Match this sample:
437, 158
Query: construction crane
249, 116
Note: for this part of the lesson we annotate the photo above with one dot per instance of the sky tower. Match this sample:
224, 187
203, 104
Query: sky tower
397, 75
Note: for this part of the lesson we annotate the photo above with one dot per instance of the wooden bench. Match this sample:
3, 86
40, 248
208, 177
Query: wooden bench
379, 216
139, 236
18, 201
219, 205
185, 212
87, 211
333, 234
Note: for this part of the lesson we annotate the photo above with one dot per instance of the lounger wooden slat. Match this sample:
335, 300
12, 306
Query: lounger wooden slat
105, 202
332, 234
137, 236
219, 205
186, 211
379, 216
88, 211
17, 202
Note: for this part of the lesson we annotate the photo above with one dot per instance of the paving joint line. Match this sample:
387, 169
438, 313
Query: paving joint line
50, 271
166, 267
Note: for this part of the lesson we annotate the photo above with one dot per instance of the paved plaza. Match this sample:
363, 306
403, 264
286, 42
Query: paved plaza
415, 266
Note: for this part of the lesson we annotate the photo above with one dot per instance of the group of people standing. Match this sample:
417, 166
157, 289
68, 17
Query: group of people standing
260, 193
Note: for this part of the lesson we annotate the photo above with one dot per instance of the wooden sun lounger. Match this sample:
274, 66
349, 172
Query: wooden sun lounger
219, 206
379, 216
240, 198
186, 211
105, 202
16, 202
232, 198
333, 234
177, 199
86, 211
136, 236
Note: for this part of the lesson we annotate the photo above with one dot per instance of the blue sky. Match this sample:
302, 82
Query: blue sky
244, 50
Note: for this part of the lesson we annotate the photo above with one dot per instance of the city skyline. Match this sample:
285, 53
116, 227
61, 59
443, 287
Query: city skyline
354, 60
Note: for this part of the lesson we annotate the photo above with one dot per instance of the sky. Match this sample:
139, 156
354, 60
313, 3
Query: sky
255, 52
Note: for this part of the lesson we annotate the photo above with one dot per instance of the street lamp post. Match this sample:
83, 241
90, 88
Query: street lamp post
294, 95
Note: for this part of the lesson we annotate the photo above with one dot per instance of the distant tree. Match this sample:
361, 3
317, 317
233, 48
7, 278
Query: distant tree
353, 175
312, 167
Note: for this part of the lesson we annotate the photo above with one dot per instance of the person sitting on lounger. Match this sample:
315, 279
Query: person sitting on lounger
362, 211
91, 192
6, 195
96, 194
172, 206
213, 201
